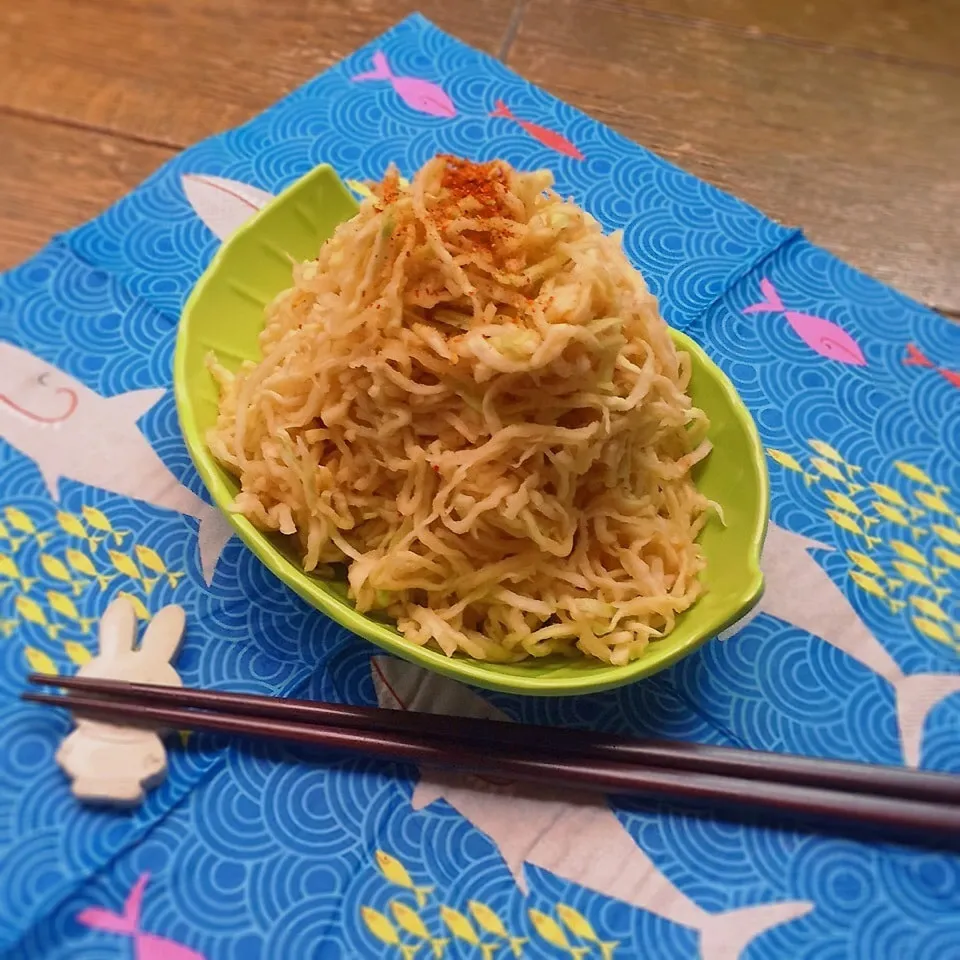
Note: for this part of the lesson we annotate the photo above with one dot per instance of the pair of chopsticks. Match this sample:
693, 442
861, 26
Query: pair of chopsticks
891, 799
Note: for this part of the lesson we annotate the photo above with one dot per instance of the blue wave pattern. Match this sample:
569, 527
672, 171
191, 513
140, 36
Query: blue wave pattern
246, 631
689, 239
274, 857
777, 686
273, 852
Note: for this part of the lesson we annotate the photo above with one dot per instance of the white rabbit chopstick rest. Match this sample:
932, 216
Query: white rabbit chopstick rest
114, 764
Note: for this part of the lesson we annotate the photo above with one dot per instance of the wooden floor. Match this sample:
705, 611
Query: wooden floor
840, 116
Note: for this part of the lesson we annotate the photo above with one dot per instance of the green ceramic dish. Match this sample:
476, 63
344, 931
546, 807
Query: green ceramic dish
225, 314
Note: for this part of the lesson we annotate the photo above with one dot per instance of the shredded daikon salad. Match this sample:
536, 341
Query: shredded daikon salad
471, 401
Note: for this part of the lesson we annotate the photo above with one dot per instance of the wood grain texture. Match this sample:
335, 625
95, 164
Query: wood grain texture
926, 31
53, 177
861, 153
173, 72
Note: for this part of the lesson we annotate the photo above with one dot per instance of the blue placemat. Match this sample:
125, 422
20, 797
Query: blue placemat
262, 853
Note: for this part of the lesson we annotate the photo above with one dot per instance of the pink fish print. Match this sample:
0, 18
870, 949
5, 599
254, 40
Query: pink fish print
824, 336
422, 95
549, 138
915, 358
146, 946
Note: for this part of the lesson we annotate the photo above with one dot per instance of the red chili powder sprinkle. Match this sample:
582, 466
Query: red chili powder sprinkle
390, 188
485, 184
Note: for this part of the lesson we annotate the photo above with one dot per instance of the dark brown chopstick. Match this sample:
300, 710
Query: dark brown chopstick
497, 735
910, 816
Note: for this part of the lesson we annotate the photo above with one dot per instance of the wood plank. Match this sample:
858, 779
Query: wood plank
53, 177
926, 31
860, 152
175, 72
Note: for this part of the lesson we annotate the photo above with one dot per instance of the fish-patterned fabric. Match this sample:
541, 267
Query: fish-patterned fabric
258, 851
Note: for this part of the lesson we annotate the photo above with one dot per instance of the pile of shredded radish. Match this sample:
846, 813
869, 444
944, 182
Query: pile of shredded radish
471, 401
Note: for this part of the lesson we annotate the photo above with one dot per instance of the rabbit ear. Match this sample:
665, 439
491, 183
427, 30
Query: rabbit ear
163, 636
118, 629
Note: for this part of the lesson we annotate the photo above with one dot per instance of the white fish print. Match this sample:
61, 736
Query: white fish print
792, 578
223, 205
576, 837
70, 431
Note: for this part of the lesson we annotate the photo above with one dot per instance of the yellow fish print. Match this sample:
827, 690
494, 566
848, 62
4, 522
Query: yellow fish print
933, 630
929, 609
100, 521
552, 932
948, 557
913, 574
10, 570
142, 612
77, 652
408, 919
63, 605
825, 450
918, 476
396, 872
22, 522
843, 502
869, 565
71, 525
846, 522
39, 662
828, 469
152, 561
32, 612
5, 534
909, 553
386, 932
869, 585
827, 462
83, 564
492, 923
125, 565
57, 569
463, 930
831, 453
791, 463
8, 626
914, 556
946, 534
581, 927
893, 496
936, 504
891, 513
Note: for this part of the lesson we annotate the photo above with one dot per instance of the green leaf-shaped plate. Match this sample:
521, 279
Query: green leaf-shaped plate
225, 314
